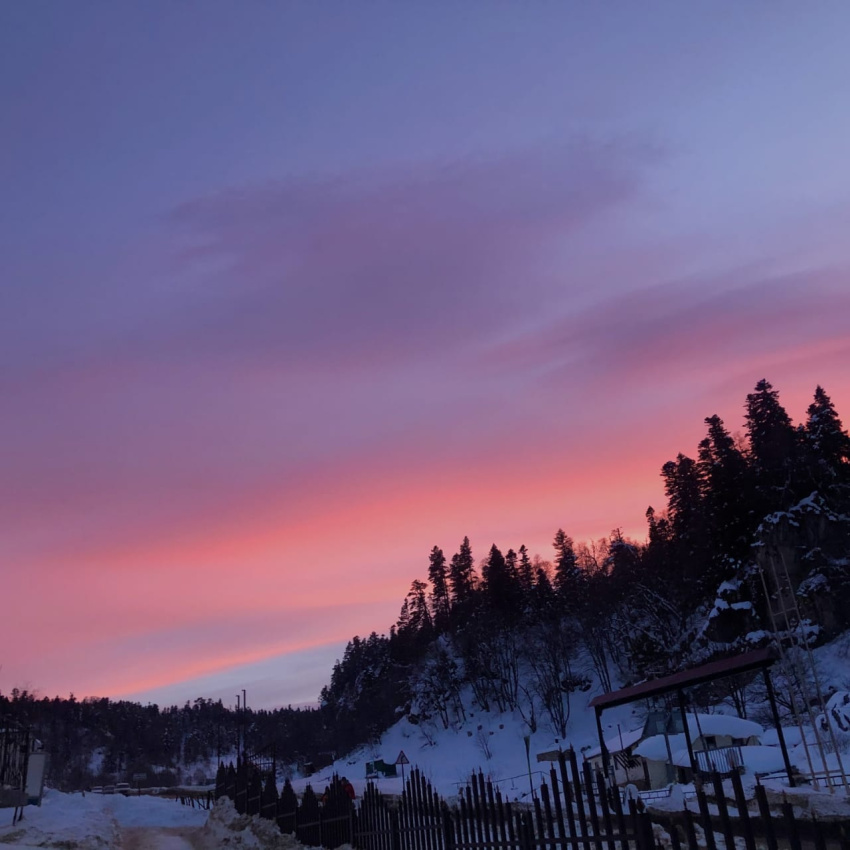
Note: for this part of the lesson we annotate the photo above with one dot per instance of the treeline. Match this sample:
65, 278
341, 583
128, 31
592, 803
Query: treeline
98, 740
523, 634
515, 632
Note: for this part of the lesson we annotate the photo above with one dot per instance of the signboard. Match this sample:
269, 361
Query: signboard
402, 758
36, 769
138, 777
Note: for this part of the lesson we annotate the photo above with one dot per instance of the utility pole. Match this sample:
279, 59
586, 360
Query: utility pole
238, 730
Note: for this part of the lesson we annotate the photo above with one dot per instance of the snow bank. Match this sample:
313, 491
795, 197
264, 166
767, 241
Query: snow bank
69, 820
810, 801
227, 828
93, 822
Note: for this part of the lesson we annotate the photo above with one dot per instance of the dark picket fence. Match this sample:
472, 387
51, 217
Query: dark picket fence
196, 801
574, 810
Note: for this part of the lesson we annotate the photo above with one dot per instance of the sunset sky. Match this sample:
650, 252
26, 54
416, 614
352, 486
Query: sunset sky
292, 292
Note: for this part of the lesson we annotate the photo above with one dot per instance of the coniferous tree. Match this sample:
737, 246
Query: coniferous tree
773, 444
512, 567
659, 528
403, 622
461, 574
728, 494
545, 600
438, 576
420, 616
622, 562
683, 486
686, 511
827, 445
499, 585
567, 573
659, 559
525, 571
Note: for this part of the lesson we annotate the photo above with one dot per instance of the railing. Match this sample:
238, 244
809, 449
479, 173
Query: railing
833, 778
662, 794
203, 801
724, 760
574, 809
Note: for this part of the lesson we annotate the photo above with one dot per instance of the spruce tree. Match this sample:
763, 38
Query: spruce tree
417, 606
729, 495
684, 489
402, 625
659, 562
566, 566
827, 445
501, 589
511, 565
438, 576
688, 526
461, 574
525, 571
545, 600
772, 447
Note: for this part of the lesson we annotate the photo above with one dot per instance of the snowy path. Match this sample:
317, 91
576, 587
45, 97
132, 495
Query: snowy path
160, 838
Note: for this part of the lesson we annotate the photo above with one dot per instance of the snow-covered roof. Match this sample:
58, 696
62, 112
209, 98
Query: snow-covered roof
655, 747
617, 744
723, 724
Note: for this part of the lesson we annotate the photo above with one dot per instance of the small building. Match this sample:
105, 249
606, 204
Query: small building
657, 754
379, 767
628, 769
724, 743
717, 741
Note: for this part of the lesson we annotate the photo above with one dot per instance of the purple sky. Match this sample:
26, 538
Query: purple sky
293, 292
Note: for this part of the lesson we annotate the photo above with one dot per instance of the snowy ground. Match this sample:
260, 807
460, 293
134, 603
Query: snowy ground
94, 822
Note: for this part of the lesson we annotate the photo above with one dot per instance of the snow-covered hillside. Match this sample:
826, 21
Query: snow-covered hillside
495, 743
492, 743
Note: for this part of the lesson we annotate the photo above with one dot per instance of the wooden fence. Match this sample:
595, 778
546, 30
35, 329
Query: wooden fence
573, 810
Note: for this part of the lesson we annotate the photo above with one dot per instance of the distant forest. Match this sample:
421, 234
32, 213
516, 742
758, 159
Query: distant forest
519, 633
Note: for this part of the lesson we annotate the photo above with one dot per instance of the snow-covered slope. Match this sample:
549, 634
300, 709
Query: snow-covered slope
493, 743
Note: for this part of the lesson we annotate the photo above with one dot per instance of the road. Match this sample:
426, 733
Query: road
161, 838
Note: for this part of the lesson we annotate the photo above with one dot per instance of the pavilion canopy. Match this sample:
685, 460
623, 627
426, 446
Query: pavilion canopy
758, 659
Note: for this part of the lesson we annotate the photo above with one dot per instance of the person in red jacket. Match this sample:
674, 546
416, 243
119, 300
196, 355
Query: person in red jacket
348, 787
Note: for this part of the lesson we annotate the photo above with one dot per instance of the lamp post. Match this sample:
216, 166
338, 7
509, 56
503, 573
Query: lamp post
527, 739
